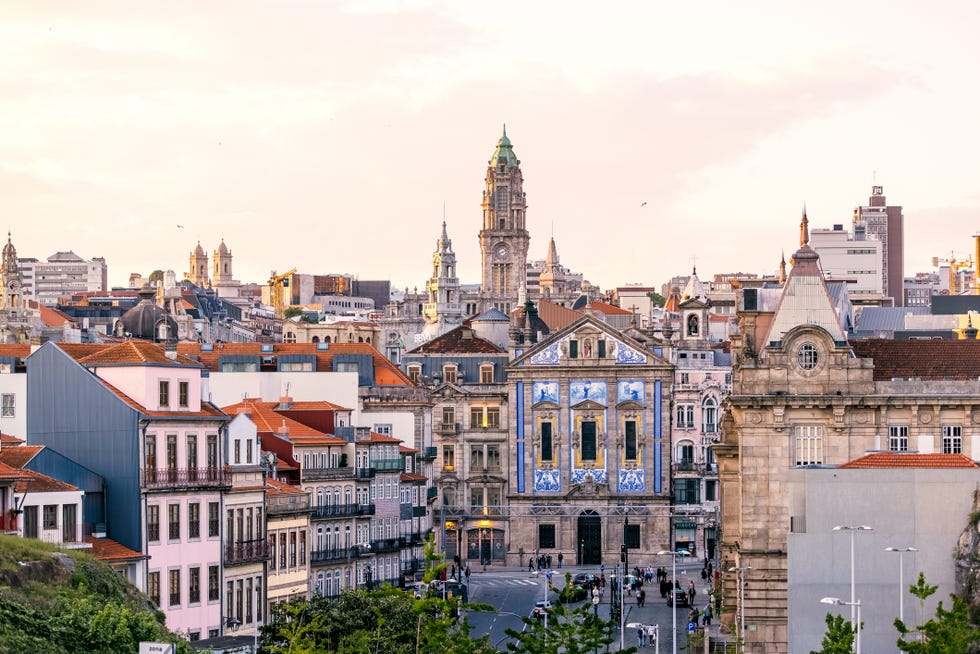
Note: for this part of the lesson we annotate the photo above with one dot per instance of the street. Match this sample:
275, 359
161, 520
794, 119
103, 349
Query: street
514, 591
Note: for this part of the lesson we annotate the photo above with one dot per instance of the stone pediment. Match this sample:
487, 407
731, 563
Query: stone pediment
627, 405
589, 405
545, 405
587, 489
448, 389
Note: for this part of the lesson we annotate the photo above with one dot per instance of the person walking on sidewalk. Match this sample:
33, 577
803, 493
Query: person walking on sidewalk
561, 557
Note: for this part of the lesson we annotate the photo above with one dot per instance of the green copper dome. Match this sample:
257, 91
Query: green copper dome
504, 152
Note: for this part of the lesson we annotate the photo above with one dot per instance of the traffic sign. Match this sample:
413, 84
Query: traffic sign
691, 626
548, 574
602, 567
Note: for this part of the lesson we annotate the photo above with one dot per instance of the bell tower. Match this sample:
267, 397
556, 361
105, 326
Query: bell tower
504, 238
10, 273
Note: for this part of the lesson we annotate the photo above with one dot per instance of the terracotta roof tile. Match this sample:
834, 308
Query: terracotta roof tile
134, 352
19, 351
19, 456
7, 439
105, 549
413, 478
35, 482
608, 309
555, 316
8, 473
275, 487
317, 405
928, 360
406, 450
269, 421
207, 410
379, 438
910, 460
461, 340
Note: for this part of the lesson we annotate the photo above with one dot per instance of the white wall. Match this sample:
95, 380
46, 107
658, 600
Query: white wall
338, 387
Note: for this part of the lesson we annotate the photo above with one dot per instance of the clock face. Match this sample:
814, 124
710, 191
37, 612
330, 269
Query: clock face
501, 252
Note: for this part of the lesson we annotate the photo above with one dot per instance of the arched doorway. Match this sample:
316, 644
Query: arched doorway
589, 539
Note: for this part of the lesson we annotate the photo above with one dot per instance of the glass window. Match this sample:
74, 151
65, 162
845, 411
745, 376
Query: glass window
898, 438
7, 407
807, 356
952, 439
183, 393
194, 520
808, 442
476, 500
153, 587
493, 456
602, 348
164, 394
547, 450
631, 536
194, 585
493, 417
476, 457
50, 516
448, 457
213, 519
415, 373
174, 588
589, 443
573, 349
448, 417
546, 537
630, 439
449, 373
173, 514
709, 422
486, 373
687, 491
214, 589
192, 455
153, 523
476, 417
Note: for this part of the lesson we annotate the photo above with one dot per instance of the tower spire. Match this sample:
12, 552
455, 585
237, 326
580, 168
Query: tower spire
804, 228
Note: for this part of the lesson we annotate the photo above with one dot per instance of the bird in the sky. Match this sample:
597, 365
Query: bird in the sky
644, 204
180, 226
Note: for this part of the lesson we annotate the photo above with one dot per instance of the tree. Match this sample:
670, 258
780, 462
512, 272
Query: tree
571, 631
949, 632
656, 299
839, 638
292, 312
155, 276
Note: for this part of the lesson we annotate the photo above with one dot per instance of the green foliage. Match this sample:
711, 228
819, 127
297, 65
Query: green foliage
949, 632
292, 312
54, 602
156, 276
839, 638
656, 298
571, 631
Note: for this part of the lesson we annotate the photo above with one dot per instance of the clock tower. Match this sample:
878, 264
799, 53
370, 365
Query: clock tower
504, 238
10, 274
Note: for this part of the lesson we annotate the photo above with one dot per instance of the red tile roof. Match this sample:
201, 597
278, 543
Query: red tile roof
406, 450
108, 550
19, 351
270, 421
316, 405
379, 438
910, 460
7, 439
461, 340
134, 352
275, 487
411, 477
385, 372
8, 473
35, 482
608, 309
933, 359
19, 456
207, 410
554, 315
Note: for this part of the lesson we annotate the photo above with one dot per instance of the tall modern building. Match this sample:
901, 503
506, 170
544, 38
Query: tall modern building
885, 223
63, 273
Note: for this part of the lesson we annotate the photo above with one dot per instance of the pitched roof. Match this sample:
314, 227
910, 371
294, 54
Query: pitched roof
105, 549
385, 372
35, 482
134, 352
208, 410
275, 487
268, 420
8, 473
413, 478
407, 450
555, 315
805, 300
932, 359
608, 309
20, 456
379, 438
910, 460
460, 340
7, 439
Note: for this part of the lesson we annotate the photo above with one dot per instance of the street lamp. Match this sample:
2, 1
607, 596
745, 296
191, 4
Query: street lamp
673, 597
740, 572
901, 579
852, 529
853, 605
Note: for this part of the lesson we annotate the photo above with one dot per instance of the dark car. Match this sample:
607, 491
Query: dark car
678, 596
583, 579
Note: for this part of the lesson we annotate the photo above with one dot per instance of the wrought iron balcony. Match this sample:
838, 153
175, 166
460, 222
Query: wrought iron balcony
388, 465
418, 511
335, 555
183, 478
337, 511
287, 503
449, 428
386, 545
326, 474
430, 453
367, 509
364, 473
247, 551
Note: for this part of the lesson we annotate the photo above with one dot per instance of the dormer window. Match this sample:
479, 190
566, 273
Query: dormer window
415, 373
449, 373
486, 373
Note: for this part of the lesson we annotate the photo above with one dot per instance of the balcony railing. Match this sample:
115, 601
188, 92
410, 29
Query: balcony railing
418, 511
363, 473
337, 511
367, 509
287, 503
388, 465
183, 478
386, 545
693, 466
412, 565
393, 394
326, 474
335, 555
247, 551
448, 428
430, 453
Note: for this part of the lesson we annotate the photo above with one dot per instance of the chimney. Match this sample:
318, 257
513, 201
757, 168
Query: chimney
170, 349
285, 403
283, 431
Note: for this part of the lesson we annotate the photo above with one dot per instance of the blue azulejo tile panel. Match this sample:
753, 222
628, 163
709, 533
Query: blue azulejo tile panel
544, 391
580, 391
632, 481
598, 475
547, 481
630, 390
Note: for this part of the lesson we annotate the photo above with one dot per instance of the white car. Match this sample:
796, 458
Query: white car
541, 607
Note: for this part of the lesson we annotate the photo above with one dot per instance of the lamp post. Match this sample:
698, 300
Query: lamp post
740, 572
673, 597
851, 530
901, 578
853, 605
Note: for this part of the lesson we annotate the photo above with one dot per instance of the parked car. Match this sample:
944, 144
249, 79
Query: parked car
541, 607
583, 579
679, 596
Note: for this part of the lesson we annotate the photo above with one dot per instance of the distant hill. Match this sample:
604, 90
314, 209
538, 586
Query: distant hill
65, 602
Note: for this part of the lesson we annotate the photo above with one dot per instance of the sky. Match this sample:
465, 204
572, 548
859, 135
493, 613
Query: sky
333, 137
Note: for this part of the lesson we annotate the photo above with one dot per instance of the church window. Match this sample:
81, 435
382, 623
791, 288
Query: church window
486, 373
808, 445
589, 440
547, 448
573, 349
546, 537
449, 373
602, 349
898, 438
952, 439
692, 325
807, 356
629, 437
503, 223
415, 373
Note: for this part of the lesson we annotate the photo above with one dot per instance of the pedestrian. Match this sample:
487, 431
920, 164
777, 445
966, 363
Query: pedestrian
561, 557
643, 597
640, 636
652, 635
663, 588
704, 573
530, 564
639, 602
706, 615
467, 573
548, 561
